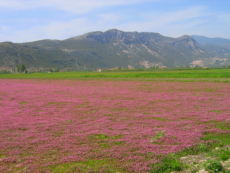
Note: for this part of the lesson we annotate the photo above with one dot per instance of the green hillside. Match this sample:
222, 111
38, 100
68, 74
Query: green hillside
13, 54
109, 49
117, 48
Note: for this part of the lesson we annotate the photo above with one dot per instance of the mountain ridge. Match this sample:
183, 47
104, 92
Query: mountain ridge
218, 47
109, 49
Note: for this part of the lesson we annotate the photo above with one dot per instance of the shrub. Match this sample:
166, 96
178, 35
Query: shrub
56, 70
4, 71
213, 166
225, 155
168, 164
203, 147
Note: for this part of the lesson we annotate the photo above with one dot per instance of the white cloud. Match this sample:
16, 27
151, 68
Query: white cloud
225, 18
170, 22
61, 30
4, 28
73, 6
194, 20
166, 23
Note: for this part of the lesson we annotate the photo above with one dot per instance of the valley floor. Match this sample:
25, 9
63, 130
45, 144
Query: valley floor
65, 125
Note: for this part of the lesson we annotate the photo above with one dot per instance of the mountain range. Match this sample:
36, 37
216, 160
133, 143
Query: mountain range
115, 48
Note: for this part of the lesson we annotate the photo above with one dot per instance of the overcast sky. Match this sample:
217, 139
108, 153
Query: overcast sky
30, 20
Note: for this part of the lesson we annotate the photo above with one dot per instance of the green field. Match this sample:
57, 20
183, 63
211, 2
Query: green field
138, 100
222, 74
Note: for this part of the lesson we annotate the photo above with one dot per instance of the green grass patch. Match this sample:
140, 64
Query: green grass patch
220, 125
199, 74
221, 139
146, 113
57, 134
110, 145
22, 103
171, 162
159, 119
168, 164
159, 135
222, 154
98, 136
211, 121
212, 141
105, 141
216, 111
2, 156
117, 137
158, 113
224, 126
89, 165
35, 115
213, 166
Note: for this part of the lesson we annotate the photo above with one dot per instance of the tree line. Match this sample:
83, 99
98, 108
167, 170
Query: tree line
20, 69
53, 70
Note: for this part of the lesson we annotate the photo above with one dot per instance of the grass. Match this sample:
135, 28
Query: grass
213, 166
223, 126
172, 162
166, 74
22, 103
221, 139
212, 141
2, 156
168, 164
86, 166
159, 135
222, 154
98, 136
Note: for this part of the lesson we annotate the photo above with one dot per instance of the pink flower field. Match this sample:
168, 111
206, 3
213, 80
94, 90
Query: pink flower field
121, 126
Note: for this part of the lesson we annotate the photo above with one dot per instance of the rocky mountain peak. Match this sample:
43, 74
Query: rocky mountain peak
117, 35
190, 41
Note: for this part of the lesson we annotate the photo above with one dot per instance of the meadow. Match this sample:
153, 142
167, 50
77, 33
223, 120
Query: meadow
201, 74
53, 123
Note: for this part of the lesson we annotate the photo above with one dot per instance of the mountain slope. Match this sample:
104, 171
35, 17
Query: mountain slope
218, 47
221, 42
108, 49
118, 48
34, 58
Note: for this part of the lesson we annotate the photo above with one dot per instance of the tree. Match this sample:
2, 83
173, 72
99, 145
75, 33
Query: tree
56, 70
23, 68
50, 69
4, 71
13, 70
18, 69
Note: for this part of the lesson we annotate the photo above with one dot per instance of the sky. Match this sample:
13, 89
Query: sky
31, 20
